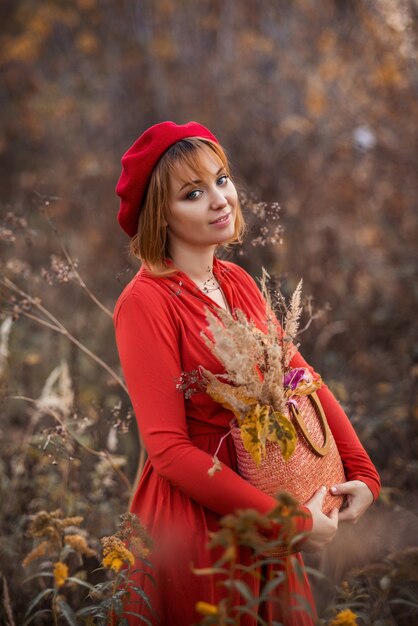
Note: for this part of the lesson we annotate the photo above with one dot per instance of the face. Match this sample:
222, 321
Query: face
201, 210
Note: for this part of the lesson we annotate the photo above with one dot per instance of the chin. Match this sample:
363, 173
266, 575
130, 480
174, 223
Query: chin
226, 238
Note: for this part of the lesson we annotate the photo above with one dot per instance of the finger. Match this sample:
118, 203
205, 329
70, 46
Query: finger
342, 488
318, 497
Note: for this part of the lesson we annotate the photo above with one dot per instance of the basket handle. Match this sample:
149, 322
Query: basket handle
320, 450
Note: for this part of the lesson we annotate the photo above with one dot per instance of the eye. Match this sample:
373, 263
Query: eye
223, 179
193, 195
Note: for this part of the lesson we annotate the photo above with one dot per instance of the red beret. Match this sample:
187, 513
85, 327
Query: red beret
138, 164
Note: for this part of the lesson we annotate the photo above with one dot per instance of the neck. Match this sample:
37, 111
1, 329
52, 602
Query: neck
197, 264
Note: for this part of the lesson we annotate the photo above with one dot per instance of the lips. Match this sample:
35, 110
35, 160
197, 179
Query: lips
223, 218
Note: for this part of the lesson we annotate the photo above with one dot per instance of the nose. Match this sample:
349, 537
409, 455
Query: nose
218, 199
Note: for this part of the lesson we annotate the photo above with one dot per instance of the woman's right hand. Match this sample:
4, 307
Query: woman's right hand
324, 527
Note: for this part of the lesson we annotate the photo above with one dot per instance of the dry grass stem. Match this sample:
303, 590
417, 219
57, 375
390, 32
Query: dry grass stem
55, 325
7, 605
43, 408
5, 329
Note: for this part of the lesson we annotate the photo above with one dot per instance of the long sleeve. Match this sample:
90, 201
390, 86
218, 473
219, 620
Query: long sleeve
356, 461
147, 338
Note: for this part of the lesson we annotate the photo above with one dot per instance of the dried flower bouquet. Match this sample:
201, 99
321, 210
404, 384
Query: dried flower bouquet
259, 383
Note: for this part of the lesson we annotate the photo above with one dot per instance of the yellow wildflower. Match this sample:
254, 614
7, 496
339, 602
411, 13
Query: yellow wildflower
204, 608
115, 553
52, 525
79, 544
41, 549
60, 573
344, 618
113, 561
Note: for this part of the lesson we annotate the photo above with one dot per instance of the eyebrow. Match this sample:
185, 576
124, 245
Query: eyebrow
197, 180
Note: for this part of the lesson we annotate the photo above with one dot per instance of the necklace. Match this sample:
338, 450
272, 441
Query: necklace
210, 284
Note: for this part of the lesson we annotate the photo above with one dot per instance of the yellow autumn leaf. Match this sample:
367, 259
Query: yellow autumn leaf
282, 432
305, 388
254, 430
232, 398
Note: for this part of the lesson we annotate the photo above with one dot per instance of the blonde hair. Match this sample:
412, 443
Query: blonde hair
150, 244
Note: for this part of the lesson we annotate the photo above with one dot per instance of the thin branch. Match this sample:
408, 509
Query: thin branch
121, 475
84, 286
312, 317
99, 453
75, 271
60, 328
308, 323
41, 321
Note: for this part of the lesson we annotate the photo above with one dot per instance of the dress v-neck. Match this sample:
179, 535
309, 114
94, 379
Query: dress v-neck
220, 272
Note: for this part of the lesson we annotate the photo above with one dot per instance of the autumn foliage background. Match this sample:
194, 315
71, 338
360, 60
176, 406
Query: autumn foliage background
316, 106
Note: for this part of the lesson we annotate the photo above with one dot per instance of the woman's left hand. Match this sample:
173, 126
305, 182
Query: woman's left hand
358, 499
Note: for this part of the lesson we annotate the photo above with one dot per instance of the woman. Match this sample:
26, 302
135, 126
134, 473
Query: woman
179, 204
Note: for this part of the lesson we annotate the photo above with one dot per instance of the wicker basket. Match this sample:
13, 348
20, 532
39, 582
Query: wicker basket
315, 461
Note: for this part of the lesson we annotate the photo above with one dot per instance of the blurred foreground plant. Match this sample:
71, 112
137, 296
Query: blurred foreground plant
60, 545
250, 529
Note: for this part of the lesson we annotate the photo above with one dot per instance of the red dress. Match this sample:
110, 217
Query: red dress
158, 324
